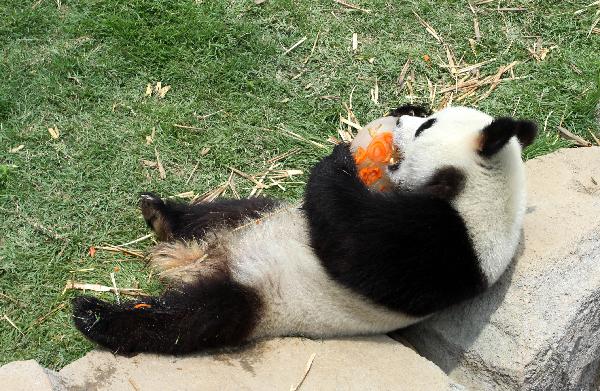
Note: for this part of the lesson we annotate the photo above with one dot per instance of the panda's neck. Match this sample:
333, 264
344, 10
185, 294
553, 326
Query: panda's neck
493, 215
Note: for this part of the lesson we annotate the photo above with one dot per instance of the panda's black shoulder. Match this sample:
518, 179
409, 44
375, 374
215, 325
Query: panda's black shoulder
410, 252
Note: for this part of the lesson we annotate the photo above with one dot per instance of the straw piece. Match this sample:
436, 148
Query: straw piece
212, 194
16, 149
579, 141
118, 249
350, 123
470, 68
291, 152
15, 301
161, 170
511, 9
42, 318
295, 45
310, 54
192, 173
429, 29
594, 137
400, 80
352, 6
186, 127
114, 283
299, 137
256, 188
496, 79
306, 370
205, 116
12, 324
72, 285
375, 93
244, 175
136, 240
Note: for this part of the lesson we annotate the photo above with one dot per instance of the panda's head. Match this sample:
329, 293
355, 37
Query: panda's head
474, 161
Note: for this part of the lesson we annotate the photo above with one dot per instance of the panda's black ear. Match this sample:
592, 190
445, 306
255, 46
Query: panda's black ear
496, 135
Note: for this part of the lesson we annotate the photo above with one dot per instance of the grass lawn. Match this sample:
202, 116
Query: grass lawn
82, 69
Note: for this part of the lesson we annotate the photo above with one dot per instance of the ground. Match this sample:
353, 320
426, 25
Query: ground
80, 137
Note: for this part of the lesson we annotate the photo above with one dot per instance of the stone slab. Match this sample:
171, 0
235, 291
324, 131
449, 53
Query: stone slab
368, 363
538, 328
27, 376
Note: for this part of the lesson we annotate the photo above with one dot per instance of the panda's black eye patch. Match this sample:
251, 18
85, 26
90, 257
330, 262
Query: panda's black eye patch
425, 125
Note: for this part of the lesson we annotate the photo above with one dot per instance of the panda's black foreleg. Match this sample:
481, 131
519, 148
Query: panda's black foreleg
172, 219
215, 313
334, 188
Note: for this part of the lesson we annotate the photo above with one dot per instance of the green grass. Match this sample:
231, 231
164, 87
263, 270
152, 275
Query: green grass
84, 67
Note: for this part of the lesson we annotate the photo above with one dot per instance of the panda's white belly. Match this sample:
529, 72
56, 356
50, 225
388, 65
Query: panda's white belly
275, 258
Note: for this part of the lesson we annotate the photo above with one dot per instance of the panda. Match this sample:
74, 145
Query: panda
348, 261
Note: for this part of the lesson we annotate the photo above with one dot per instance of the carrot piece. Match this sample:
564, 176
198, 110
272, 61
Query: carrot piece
388, 138
370, 175
379, 151
360, 155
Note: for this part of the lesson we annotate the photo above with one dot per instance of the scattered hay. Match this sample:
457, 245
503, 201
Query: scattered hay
158, 90
538, 52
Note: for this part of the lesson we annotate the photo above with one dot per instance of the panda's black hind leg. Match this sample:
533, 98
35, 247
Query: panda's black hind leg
177, 220
212, 313
157, 215
412, 110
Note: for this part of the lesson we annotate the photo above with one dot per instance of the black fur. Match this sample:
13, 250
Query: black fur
425, 125
215, 312
173, 219
412, 110
496, 135
446, 183
407, 251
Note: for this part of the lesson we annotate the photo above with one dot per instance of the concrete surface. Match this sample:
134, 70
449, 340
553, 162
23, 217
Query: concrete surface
539, 326
27, 376
366, 363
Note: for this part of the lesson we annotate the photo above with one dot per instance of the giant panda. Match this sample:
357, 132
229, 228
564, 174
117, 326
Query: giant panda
348, 261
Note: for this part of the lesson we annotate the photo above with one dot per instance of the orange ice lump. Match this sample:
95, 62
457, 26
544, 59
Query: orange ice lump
378, 153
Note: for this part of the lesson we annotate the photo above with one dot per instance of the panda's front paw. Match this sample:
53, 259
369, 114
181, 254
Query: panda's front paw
342, 157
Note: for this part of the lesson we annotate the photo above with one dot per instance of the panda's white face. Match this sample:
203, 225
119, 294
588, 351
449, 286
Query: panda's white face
491, 198
446, 138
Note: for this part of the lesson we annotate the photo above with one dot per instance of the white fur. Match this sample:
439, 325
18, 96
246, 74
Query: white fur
492, 203
299, 297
